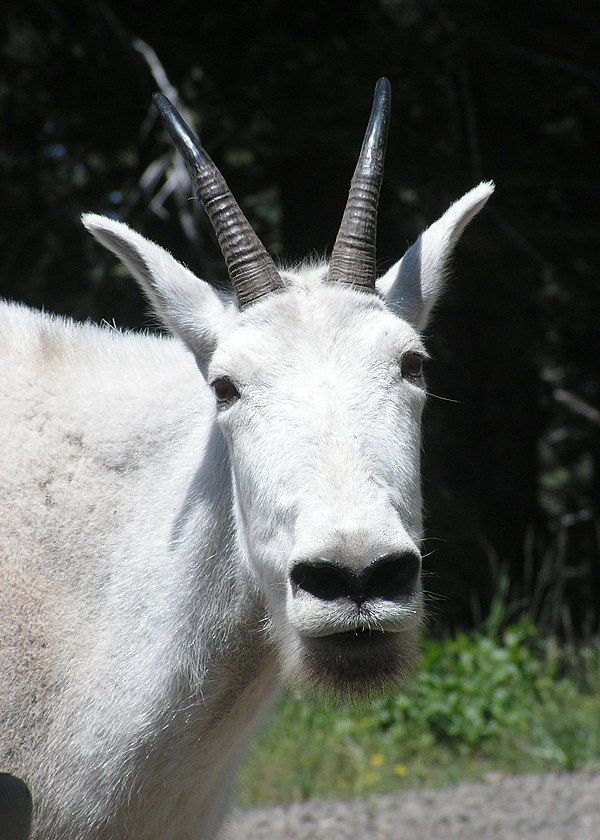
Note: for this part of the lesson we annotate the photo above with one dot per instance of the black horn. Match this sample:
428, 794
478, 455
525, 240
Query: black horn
353, 255
251, 269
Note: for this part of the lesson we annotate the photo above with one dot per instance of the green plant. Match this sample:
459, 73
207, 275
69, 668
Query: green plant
472, 687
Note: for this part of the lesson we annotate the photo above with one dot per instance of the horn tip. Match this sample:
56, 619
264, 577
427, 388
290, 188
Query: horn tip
183, 137
383, 87
163, 105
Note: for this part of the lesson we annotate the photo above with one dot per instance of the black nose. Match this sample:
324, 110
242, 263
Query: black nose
390, 577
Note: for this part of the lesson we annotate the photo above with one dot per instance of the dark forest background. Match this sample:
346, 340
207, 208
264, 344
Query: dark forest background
280, 93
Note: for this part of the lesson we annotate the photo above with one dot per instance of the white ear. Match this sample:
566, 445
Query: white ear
412, 286
190, 308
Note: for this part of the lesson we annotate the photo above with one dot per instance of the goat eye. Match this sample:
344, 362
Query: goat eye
225, 391
411, 365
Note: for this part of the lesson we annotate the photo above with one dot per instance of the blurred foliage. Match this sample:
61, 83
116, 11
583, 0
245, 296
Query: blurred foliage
280, 94
471, 689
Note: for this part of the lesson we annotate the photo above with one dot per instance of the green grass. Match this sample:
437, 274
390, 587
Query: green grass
488, 701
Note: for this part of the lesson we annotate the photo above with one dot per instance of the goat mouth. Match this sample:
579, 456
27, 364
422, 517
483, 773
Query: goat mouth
359, 662
360, 636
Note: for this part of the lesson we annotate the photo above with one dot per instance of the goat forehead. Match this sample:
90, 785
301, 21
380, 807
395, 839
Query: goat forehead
324, 326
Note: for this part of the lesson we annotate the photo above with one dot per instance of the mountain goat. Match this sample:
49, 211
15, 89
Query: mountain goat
173, 543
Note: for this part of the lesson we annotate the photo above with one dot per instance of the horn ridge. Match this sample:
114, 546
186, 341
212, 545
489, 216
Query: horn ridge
251, 269
353, 258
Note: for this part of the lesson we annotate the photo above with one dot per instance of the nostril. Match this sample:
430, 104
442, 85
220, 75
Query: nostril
389, 577
392, 576
325, 581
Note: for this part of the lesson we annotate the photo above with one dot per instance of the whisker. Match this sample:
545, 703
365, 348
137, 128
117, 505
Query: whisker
445, 399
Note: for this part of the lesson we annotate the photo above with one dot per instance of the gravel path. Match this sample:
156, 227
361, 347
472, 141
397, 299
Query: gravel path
551, 807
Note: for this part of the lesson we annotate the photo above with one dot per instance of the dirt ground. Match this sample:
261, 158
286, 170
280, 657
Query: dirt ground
550, 807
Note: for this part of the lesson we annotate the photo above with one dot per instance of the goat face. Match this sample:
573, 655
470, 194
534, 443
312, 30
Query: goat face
319, 394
